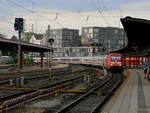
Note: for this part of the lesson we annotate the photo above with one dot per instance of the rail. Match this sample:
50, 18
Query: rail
16, 100
90, 103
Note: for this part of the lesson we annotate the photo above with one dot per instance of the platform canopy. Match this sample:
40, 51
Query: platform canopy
7, 44
138, 34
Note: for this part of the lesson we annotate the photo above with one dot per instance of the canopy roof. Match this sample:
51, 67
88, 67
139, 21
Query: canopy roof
138, 34
8, 44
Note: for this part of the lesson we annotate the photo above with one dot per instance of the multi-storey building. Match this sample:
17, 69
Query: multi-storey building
65, 38
109, 37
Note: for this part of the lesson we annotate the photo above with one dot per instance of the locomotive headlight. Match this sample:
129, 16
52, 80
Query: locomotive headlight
119, 64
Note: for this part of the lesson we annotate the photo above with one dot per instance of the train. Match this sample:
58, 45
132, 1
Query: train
112, 61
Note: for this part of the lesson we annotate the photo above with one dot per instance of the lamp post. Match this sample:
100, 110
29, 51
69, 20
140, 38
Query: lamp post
51, 41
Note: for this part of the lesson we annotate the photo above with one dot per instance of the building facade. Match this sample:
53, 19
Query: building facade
65, 38
109, 37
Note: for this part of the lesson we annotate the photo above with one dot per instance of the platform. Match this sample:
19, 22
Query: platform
133, 96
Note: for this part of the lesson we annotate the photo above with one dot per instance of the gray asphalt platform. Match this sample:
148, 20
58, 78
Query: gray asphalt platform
133, 96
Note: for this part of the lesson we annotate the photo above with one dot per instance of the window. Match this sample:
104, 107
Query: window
77, 50
91, 35
116, 31
96, 30
95, 40
85, 30
75, 59
90, 30
115, 58
88, 35
96, 35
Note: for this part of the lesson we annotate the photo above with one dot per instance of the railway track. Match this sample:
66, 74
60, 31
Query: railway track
41, 76
92, 103
13, 101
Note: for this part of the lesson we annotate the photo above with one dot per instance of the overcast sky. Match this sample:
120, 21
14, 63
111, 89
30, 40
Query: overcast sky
69, 13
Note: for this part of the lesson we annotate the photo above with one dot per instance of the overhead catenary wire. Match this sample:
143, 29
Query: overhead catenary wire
31, 11
12, 2
100, 12
111, 13
57, 15
56, 19
103, 7
98, 2
5, 13
106, 8
4, 21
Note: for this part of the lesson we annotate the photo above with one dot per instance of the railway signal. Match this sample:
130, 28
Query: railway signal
19, 24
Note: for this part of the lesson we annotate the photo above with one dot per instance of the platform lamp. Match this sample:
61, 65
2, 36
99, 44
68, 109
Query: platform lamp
51, 41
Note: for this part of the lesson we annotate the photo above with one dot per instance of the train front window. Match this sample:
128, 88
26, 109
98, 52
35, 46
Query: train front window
115, 58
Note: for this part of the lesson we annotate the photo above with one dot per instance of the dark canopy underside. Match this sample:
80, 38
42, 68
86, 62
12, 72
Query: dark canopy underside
138, 34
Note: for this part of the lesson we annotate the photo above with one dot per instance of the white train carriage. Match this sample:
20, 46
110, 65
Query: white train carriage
96, 60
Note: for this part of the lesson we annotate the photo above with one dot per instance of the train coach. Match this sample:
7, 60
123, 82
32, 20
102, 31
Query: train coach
130, 62
81, 60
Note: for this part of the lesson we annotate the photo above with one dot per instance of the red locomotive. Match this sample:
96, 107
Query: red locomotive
114, 61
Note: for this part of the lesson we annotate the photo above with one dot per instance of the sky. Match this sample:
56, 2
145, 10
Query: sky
73, 14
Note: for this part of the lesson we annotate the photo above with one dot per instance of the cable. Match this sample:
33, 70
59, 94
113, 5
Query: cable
31, 11
5, 11
54, 13
100, 12
98, 2
104, 6
20, 6
6, 22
